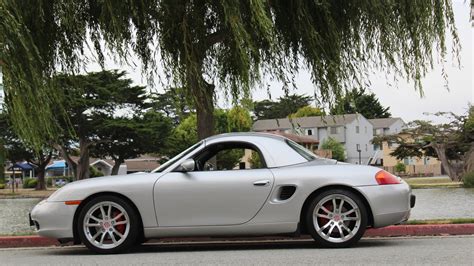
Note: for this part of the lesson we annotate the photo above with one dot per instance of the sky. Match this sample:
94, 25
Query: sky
401, 96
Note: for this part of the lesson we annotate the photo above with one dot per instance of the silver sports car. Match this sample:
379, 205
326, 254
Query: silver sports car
228, 185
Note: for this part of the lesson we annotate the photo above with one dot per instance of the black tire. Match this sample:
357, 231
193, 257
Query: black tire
129, 240
333, 239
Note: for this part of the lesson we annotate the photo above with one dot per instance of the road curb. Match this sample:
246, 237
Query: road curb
421, 230
389, 231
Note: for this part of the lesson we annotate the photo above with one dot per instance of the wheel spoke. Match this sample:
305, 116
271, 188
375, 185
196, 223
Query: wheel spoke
349, 211
349, 231
340, 205
121, 222
95, 218
351, 218
118, 233
111, 234
102, 238
331, 229
323, 216
93, 225
102, 211
340, 231
109, 211
96, 235
334, 206
118, 216
325, 210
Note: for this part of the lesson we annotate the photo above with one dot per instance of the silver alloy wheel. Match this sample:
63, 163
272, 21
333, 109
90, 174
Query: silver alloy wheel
106, 225
336, 218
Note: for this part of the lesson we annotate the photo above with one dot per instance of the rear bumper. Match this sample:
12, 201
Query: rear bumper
53, 219
390, 204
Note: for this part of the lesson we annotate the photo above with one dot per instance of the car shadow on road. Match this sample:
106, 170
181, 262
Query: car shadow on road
210, 246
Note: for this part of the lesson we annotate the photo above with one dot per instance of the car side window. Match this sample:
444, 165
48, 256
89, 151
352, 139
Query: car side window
233, 156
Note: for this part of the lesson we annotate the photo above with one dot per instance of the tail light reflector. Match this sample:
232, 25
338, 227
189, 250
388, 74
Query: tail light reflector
385, 178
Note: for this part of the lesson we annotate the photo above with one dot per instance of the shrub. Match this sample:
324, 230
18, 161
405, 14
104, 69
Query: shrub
336, 147
468, 179
30, 183
2, 186
94, 172
400, 167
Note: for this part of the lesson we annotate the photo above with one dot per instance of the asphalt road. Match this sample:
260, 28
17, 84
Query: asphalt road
381, 251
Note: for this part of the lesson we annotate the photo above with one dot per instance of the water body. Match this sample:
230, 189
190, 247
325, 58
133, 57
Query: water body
443, 203
14, 215
430, 204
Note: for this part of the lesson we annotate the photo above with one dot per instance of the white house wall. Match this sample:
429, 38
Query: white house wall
362, 138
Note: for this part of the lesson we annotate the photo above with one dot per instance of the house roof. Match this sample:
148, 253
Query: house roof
304, 122
384, 122
22, 166
61, 164
296, 138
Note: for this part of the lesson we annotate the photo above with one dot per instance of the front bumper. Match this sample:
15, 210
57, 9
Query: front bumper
390, 204
53, 219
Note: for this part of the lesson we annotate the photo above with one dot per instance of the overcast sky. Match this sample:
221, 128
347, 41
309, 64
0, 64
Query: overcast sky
402, 98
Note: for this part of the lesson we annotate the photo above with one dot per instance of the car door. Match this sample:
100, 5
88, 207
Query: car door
218, 197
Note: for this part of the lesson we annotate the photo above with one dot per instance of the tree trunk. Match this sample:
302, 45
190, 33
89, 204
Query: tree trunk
41, 182
450, 169
203, 95
116, 167
83, 162
72, 164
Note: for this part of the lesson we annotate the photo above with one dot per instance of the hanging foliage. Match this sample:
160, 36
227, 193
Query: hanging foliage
204, 45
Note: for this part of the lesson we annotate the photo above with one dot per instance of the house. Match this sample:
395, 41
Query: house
425, 165
354, 131
384, 127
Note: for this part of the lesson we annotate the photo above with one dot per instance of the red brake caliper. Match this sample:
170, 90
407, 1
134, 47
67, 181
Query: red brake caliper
121, 227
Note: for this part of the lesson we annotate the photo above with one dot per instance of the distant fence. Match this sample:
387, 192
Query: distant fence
417, 170
323, 153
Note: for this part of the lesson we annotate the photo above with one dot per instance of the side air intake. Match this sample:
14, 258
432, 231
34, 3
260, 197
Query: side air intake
286, 192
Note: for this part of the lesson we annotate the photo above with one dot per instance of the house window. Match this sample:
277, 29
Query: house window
376, 147
333, 130
310, 132
357, 129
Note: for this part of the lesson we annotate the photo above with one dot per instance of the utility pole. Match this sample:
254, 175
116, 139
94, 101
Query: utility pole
359, 151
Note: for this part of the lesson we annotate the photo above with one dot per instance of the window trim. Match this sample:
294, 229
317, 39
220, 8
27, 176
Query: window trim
302, 152
250, 145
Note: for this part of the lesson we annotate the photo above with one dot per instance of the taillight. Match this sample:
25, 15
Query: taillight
385, 178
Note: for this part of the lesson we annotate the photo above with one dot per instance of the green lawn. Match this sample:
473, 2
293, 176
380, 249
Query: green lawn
432, 182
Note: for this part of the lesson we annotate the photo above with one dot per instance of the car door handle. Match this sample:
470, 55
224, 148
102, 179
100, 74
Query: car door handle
261, 183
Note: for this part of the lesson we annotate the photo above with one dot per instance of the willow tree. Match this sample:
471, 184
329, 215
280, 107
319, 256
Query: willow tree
205, 46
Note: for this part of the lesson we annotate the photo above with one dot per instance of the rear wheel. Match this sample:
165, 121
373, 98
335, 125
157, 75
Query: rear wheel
336, 218
108, 224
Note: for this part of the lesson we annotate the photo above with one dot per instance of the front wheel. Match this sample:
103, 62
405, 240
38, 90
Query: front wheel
336, 218
108, 224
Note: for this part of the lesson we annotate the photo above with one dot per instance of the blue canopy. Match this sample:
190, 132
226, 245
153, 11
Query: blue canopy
57, 165
21, 167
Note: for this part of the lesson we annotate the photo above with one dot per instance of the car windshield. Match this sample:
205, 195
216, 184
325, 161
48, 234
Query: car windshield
176, 158
305, 153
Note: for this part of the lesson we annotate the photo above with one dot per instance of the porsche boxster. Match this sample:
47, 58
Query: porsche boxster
228, 185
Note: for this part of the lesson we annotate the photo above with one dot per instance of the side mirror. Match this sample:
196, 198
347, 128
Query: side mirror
188, 165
